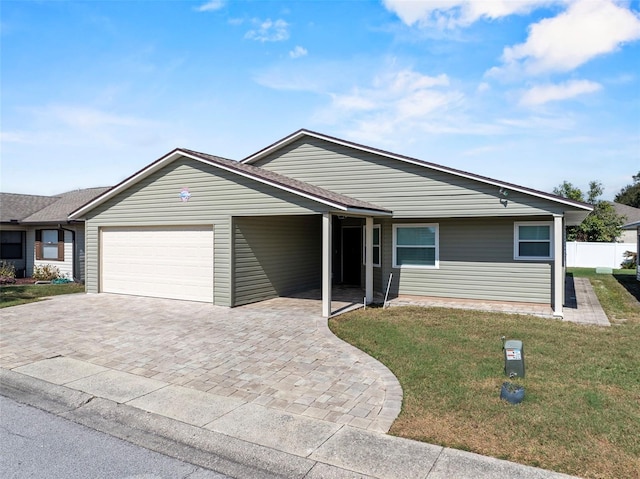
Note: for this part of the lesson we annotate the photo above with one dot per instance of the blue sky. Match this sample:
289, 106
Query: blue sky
530, 92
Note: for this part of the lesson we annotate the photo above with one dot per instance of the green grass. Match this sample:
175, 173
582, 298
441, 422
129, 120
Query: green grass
15, 295
581, 413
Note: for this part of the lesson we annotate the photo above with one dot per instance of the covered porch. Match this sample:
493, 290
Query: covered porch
350, 258
322, 256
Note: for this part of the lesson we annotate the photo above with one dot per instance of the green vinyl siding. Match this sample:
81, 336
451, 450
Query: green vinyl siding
407, 189
216, 196
276, 256
476, 262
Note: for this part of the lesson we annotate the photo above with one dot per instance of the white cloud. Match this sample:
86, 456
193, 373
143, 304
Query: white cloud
541, 94
447, 14
63, 123
402, 94
86, 117
210, 6
397, 100
538, 123
269, 31
408, 80
298, 52
14, 137
355, 101
587, 29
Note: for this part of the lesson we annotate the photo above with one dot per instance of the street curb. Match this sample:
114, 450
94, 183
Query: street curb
40, 394
339, 457
208, 449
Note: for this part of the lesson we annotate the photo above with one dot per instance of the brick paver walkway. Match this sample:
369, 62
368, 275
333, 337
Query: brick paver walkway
277, 353
581, 303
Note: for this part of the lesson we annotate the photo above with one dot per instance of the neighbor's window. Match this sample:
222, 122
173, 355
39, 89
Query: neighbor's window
376, 245
415, 246
11, 244
50, 245
533, 240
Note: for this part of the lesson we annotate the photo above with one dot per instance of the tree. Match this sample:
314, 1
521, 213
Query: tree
567, 190
602, 225
630, 194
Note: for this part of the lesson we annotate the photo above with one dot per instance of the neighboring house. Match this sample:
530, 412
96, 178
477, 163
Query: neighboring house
632, 216
35, 230
303, 213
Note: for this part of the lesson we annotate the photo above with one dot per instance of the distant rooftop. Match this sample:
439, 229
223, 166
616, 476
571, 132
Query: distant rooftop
15, 207
631, 214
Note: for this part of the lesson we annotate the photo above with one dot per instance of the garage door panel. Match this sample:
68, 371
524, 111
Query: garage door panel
174, 263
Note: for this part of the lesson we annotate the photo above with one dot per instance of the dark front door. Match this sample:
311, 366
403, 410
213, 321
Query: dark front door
351, 255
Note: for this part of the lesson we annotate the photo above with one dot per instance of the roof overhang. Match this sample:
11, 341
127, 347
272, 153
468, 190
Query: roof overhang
630, 226
575, 217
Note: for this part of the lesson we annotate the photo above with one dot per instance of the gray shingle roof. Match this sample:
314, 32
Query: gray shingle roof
285, 181
632, 214
14, 206
44, 209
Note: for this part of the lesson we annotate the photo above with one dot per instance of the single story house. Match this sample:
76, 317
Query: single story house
311, 211
35, 230
632, 216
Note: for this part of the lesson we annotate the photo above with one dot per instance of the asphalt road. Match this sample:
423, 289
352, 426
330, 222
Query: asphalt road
36, 444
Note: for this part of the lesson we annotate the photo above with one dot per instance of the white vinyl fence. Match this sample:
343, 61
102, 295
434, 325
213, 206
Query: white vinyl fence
597, 255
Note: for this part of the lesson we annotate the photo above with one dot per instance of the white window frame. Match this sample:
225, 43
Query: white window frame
47, 245
436, 264
379, 245
516, 240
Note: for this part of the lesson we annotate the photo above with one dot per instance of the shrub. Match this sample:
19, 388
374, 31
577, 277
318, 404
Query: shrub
630, 260
7, 272
45, 272
7, 269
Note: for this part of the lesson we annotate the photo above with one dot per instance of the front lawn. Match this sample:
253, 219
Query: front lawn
15, 295
581, 413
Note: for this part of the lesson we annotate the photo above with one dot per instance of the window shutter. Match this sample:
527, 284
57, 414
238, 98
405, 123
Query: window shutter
38, 244
60, 245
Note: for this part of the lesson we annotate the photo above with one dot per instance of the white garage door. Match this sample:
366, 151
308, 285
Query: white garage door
162, 262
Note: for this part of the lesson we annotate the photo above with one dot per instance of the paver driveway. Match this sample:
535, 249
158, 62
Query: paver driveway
277, 353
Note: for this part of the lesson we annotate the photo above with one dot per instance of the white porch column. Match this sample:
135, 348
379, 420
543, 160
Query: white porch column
326, 264
558, 268
368, 266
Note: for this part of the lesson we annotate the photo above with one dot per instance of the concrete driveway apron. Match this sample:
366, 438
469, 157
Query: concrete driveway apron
278, 353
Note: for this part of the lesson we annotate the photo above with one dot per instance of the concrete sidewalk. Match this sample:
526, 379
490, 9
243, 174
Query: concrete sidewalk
231, 436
